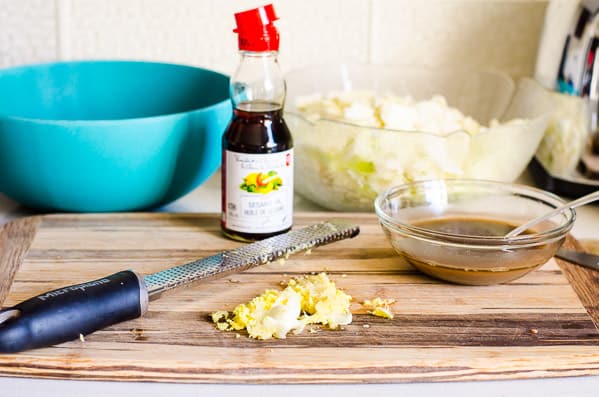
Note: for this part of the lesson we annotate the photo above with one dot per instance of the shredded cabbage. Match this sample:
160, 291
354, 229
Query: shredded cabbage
344, 165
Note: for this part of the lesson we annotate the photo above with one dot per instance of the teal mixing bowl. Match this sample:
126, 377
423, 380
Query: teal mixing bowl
109, 135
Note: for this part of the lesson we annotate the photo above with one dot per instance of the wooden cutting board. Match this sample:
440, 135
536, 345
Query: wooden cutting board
534, 327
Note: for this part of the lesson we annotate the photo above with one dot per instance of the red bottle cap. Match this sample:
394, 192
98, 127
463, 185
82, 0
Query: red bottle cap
256, 29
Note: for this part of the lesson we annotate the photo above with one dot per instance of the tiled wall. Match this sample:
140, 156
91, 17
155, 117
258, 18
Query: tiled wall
502, 34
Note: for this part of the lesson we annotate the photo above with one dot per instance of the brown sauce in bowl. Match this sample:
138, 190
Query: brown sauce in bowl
471, 264
475, 227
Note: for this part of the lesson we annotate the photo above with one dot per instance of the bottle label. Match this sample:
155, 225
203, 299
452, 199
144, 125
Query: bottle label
258, 192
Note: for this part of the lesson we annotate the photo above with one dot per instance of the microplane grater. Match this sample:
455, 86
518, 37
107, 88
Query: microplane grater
250, 255
67, 313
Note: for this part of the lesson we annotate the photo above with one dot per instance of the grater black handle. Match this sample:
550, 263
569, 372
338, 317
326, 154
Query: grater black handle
68, 313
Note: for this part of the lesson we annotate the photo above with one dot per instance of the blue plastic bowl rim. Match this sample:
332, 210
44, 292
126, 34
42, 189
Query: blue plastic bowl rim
112, 121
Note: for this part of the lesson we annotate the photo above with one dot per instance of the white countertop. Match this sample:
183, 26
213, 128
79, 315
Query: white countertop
207, 199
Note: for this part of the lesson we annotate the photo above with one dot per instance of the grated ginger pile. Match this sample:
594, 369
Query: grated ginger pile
311, 299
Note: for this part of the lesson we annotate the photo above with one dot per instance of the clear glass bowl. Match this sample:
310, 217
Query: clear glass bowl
471, 258
343, 166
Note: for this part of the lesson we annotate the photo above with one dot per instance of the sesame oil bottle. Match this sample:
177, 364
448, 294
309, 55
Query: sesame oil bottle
257, 155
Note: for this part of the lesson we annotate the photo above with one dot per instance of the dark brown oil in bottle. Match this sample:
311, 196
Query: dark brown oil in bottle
256, 128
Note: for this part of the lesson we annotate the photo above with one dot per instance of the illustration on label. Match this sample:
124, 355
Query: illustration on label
260, 197
261, 182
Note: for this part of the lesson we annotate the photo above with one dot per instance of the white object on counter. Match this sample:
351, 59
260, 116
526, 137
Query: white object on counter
558, 21
566, 136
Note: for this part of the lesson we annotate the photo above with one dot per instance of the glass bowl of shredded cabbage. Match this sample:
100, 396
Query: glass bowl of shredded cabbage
359, 129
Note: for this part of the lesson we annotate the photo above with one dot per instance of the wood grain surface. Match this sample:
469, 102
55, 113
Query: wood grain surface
536, 326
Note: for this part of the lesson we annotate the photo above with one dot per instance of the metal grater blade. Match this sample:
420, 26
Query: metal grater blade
251, 255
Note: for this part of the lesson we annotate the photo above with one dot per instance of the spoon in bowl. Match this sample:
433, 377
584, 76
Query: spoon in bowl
572, 204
